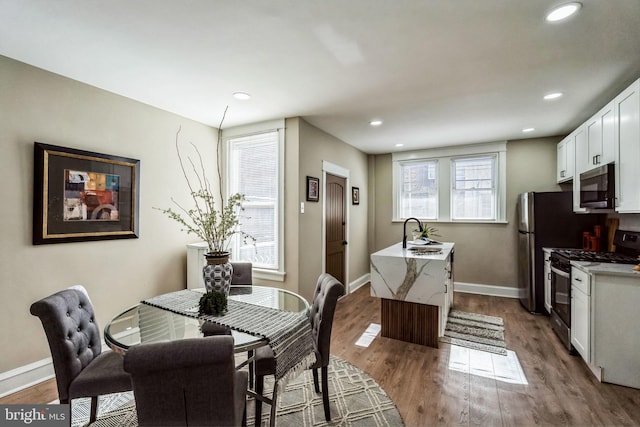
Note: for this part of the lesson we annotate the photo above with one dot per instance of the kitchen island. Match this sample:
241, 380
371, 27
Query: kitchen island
415, 285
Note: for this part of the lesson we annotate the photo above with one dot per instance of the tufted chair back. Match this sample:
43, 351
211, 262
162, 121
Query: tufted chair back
242, 273
188, 382
74, 336
325, 299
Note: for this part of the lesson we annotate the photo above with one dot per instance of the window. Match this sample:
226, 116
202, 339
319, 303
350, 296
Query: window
473, 196
254, 170
419, 192
461, 183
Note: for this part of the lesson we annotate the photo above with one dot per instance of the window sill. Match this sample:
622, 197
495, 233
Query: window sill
448, 221
275, 276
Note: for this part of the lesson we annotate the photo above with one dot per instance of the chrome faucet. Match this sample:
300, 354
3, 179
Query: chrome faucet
404, 230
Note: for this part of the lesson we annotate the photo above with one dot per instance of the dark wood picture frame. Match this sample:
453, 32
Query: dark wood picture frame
313, 189
355, 195
83, 196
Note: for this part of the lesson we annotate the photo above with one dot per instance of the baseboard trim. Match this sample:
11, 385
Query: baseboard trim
491, 290
359, 282
26, 376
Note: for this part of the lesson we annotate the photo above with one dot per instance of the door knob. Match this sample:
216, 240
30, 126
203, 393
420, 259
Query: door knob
344, 242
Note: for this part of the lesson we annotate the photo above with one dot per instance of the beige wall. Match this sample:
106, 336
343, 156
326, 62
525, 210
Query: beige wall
39, 106
317, 146
485, 253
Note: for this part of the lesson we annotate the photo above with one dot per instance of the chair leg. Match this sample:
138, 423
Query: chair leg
274, 404
316, 385
251, 375
258, 402
94, 409
325, 393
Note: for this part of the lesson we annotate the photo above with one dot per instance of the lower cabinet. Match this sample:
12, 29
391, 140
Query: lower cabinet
580, 319
581, 313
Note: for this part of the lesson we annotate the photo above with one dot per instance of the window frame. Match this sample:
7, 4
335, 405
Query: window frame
278, 273
445, 156
494, 188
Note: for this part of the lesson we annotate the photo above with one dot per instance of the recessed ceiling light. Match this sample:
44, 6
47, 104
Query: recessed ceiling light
563, 11
399, 145
526, 130
554, 95
243, 96
375, 122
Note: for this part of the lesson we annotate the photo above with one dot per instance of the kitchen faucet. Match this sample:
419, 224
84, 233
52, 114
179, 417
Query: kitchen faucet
404, 230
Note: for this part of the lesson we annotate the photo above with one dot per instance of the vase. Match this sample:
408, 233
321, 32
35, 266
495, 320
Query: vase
217, 272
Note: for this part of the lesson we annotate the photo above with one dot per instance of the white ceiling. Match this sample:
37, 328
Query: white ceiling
437, 72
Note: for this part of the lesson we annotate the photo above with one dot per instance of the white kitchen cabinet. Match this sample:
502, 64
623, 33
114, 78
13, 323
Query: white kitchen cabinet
581, 313
565, 160
627, 135
547, 281
579, 138
600, 138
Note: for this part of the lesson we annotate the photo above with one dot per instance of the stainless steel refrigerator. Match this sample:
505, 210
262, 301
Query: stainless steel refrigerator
546, 220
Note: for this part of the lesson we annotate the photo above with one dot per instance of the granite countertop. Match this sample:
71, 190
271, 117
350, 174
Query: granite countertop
607, 268
398, 251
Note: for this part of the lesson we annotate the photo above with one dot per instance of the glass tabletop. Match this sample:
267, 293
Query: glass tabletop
143, 323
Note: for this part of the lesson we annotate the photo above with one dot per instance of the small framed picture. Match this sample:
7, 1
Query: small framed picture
355, 195
313, 189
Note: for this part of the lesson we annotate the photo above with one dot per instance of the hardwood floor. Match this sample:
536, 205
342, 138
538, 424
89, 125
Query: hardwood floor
539, 384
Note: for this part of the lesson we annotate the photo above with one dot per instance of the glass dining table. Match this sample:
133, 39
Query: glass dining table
144, 323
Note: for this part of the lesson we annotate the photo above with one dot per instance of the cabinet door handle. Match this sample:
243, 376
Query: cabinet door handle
562, 174
445, 288
578, 279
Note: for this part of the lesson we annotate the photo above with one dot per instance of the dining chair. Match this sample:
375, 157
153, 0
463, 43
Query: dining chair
81, 368
242, 273
189, 382
328, 290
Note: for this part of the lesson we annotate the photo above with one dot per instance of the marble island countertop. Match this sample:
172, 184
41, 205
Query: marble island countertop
398, 251
607, 268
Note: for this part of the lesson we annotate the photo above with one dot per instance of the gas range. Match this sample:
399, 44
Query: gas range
590, 256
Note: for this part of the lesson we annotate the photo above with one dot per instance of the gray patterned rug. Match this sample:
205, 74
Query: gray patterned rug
355, 400
476, 331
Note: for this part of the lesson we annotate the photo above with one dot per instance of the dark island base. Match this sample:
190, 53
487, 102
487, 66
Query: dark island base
410, 322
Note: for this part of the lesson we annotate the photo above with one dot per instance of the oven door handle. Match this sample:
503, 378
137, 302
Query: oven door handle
560, 272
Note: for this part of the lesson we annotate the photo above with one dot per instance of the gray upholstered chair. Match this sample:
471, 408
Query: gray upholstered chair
328, 290
242, 273
189, 382
82, 369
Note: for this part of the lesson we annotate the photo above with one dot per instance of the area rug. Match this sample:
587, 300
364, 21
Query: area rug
355, 400
477, 331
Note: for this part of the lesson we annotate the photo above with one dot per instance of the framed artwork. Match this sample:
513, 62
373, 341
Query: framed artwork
313, 189
83, 196
355, 195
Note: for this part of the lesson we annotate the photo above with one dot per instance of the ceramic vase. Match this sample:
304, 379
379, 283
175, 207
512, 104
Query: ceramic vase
217, 272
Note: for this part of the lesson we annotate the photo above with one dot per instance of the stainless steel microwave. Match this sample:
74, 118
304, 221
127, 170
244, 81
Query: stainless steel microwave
597, 188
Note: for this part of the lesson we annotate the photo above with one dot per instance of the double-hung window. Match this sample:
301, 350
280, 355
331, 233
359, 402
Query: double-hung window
419, 189
473, 193
460, 183
254, 169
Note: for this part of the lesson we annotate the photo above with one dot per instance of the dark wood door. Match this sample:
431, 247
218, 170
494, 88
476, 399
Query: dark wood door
335, 227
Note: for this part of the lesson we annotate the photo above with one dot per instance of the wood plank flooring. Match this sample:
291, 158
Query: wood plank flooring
538, 384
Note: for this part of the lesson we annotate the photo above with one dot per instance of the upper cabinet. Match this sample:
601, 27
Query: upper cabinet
565, 160
627, 135
612, 135
600, 138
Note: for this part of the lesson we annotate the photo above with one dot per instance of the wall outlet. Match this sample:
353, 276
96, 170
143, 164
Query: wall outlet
301, 207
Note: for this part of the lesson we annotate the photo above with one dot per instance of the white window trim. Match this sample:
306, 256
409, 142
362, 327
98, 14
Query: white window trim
444, 155
238, 131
